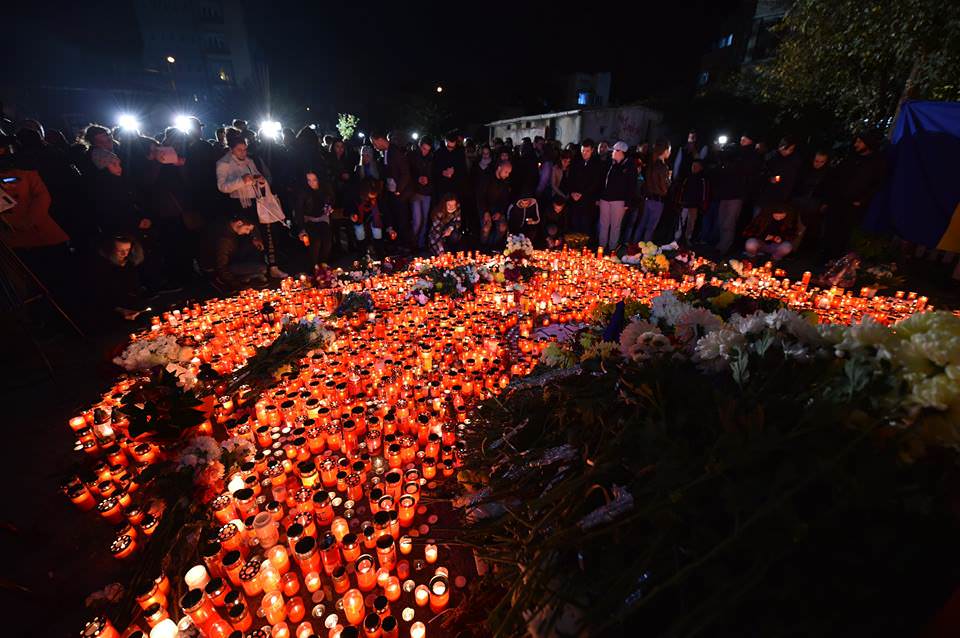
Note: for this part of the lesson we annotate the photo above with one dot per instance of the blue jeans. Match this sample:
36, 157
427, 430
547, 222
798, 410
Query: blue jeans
728, 212
709, 223
421, 218
652, 210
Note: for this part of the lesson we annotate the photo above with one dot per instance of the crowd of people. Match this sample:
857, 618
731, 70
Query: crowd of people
144, 215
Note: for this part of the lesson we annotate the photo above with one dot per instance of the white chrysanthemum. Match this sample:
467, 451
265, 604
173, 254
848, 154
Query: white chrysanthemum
667, 308
749, 325
935, 392
719, 344
694, 323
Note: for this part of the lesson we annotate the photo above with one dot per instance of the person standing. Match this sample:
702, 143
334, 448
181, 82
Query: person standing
656, 187
449, 166
27, 226
808, 198
311, 216
780, 177
421, 169
587, 179
399, 187
686, 156
733, 183
618, 186
239, 177
856, 181
693, 199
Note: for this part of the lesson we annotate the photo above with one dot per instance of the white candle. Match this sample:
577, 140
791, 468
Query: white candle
197, 577
166, 628
418, 630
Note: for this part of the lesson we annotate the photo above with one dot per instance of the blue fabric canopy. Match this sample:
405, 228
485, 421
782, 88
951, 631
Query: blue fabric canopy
921, 202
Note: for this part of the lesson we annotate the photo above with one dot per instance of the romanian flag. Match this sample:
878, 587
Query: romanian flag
921, 201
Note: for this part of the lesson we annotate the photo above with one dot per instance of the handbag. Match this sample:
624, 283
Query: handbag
269, 210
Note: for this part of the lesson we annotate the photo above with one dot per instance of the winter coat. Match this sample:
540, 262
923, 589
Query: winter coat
421, 166
28, 224
620, 182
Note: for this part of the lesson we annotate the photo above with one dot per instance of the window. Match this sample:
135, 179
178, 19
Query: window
703, 79
725, 41
583, 98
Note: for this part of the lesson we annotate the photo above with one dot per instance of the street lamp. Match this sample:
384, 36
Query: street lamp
415, 135
439, 89
361, 135
171, 59
722, 140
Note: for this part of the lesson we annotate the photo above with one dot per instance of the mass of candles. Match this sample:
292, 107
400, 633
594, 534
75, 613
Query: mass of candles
324, 529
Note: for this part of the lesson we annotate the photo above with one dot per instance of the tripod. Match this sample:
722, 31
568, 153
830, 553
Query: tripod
20, 288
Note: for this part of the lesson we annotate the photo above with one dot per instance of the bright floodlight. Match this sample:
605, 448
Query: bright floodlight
270, 128
723, 139
128, 121
183, 123
415, 135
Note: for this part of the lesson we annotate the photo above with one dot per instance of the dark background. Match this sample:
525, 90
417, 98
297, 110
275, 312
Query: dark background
383, 60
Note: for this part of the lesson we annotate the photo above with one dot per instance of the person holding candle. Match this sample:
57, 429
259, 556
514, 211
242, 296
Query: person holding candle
772, 233
311, 217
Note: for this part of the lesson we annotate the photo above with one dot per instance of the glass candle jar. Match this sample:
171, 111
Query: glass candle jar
386, 552
266, 530
217, 590
305, 552
353, 608
350, 545
232, 564
240, 617
250, 577
330, 553
439, 593
341, 581
274, 608
366, 573
149, 593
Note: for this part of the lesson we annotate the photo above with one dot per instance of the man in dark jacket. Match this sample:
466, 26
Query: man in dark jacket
693, 199
494, 202
734, 182
618, 187
780, 177
857, 180
808, 198
421, 169
656, 187
449, 167
399, 184
586, 177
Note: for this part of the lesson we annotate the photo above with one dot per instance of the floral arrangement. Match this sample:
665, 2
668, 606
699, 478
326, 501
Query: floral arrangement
150, 351
517, 266
695, 448
882, 276
454, 282
354, 302
647, 256
296, 340
157, 405
208, 462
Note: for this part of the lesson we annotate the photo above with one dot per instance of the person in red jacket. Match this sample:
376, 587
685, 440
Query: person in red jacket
25, 222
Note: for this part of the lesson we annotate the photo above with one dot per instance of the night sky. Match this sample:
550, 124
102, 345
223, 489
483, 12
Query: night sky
382, 59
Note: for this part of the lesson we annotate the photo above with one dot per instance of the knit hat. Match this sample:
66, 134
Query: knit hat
102, 158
